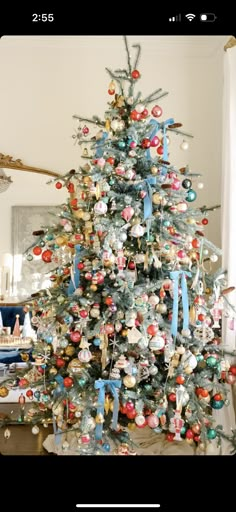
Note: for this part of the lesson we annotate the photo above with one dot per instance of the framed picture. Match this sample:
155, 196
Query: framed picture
29, 276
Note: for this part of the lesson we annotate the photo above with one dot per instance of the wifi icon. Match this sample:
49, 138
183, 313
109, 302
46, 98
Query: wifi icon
190, 17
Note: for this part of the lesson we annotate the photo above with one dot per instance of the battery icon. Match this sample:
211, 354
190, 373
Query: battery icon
209, 16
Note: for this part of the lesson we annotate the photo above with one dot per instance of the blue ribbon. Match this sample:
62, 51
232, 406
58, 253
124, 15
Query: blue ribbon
112, 386
155, 127
57, 432
175, 276
74, 283
99, 145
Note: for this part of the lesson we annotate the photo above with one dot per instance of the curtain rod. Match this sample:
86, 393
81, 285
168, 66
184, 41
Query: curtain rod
230, 43
7, 162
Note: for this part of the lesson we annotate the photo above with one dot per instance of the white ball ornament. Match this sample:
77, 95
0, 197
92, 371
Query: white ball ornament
200, 185
214, 258
184, 146
139, 108
137, 231
35, 430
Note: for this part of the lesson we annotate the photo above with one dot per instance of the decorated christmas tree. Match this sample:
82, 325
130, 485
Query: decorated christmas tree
129, 333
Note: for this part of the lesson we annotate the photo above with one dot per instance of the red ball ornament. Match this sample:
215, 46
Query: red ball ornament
47, 256
146, 143
135, 116
109, 301
66, 271
204, 222
129, 406
204, 393
80, 265
83, 313
172, 397
196, 243
29, 393
160, 150
110, 160
111, 91
75, 336
71, 188
152, 329
131, 414
73, 203
58, 185
201, 317
60, 362
135, 74
37, 250
189, 434
131, 265
170, 437
197, 438
180, 379
23, 383
233, 370
68, 382
144, 113
217, 397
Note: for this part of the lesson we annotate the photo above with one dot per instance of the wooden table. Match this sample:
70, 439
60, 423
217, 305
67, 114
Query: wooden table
21, 441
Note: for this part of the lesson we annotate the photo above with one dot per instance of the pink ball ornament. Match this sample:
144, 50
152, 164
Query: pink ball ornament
142, 194
120, 170
101, 162
127, 213
153, 300
156, 111
182, 207
100, 208
176, 185
88, 276
155, 141
153, 421
181, 254
231, 379
133, 144
84, 355
144, 113
129, 406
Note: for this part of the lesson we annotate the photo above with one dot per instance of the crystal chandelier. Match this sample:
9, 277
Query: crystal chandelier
5, 181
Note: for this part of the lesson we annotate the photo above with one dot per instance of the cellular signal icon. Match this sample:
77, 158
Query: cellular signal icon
175, 18
190, 17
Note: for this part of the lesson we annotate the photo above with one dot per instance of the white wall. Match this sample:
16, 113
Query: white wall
45, 80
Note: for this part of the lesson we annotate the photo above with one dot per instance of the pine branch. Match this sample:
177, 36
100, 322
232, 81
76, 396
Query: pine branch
138, 54
95, 120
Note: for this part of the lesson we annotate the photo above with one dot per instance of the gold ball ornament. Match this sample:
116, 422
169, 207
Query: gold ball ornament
52, 371
188, 370
154, 170
129, 381
180, 350
196, 428
189, 441
93, 287
156, 198
3, 392
134, 221
79, 214
161, 308
61, 240
86, 216
131, 426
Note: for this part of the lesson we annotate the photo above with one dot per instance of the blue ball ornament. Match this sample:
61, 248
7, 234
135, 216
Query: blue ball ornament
121, 144
97, 342
37, 395
48, 338
106, 447
166, 223
217, 404
191, 195
211, 361
81, 382
200, 358
211, 433
183, 430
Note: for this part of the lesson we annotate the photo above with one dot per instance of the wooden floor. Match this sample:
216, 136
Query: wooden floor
21, 441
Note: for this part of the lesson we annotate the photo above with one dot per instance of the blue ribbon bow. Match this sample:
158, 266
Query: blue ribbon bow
100, 145
75, 278
175, 276
112, 386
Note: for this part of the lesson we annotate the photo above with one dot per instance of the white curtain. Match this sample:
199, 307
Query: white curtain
226, 416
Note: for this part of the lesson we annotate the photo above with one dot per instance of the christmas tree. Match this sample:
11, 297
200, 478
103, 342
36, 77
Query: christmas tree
129, 333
